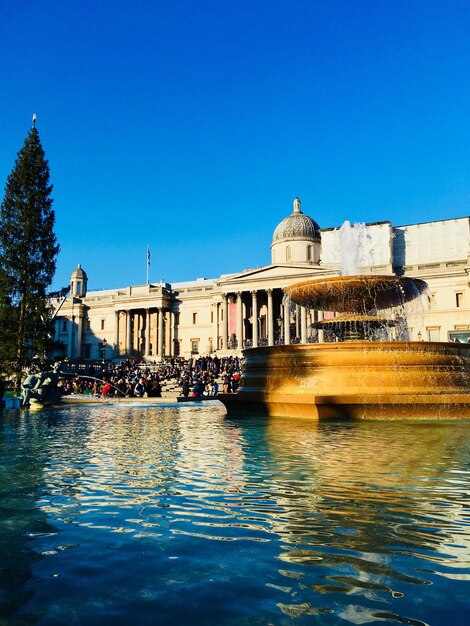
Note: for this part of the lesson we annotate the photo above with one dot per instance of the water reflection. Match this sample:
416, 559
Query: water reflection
21, 517
378, 507
176, 515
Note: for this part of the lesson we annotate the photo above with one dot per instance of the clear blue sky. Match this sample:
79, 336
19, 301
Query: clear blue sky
192, 125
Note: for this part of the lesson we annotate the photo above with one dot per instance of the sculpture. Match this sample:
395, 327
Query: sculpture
42, 387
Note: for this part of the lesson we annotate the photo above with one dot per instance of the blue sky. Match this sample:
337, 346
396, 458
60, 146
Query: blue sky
192, 125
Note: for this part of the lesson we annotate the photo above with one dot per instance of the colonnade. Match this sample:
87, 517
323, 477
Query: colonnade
259, 317
148, 332
135, 329
240, 319
74, 330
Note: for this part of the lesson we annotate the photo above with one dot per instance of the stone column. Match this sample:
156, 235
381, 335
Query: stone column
303, 324
135, 331
157, 320
239, 320
160, 334
254, 302
215, 326
147, 333
128, 332
174, 333
116, 334
155, 333
270, 318
321, 333
138, 327
224, 321
79, 335
286, 324
168, 338
70, 337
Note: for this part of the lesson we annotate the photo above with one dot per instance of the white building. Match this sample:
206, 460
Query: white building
248, 308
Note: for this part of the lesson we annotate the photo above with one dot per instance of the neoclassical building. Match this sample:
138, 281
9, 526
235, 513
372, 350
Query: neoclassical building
248, 308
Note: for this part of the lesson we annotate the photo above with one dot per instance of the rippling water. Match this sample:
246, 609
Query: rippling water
154, 515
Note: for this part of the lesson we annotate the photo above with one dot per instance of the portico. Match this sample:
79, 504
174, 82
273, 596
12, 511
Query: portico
143, 331
258, 317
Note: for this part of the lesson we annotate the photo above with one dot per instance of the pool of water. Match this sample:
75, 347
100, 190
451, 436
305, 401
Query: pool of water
157, 515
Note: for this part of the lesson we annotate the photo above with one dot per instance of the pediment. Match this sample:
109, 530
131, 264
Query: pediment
273, 273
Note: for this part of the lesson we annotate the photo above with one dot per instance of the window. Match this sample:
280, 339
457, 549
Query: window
194, 318
288, 254
309, 253
194, 346
102, 324
460, 336
433, 334
459, 299
212, 316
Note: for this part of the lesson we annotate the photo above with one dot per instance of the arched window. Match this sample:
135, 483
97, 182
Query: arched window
288, 254
309, 253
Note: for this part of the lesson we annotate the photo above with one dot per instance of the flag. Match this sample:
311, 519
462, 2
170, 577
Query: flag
148, 263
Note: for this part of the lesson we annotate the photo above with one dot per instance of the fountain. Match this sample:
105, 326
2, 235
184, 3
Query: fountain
357, 298
355, 376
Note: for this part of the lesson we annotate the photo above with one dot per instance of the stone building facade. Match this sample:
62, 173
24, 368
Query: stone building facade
248, 308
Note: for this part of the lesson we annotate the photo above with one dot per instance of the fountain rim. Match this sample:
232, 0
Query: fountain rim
363, 344
356, 283
344, 278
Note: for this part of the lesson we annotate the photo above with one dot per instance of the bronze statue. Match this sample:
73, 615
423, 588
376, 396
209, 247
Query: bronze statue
41, 387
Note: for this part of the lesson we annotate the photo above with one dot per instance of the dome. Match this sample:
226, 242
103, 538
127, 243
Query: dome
297, 226
79, 273
78, 282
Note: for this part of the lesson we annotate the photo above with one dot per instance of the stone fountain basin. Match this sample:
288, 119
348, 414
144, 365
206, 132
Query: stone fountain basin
359, 379
356, 294
345, 320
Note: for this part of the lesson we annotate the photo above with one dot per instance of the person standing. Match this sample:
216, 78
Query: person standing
140, 388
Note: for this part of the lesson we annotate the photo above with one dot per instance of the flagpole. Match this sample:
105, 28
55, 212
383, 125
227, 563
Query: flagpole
148, 263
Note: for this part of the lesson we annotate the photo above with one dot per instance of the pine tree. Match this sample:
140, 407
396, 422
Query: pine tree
28, 252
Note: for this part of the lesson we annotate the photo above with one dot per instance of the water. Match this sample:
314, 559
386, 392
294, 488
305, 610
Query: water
176, 515
356, 248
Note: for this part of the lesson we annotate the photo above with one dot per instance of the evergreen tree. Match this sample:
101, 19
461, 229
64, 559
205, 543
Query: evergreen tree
28, 252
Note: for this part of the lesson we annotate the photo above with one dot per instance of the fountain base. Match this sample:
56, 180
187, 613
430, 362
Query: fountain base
357, 380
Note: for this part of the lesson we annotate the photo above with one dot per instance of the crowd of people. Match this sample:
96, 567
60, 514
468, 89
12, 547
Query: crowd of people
129, 378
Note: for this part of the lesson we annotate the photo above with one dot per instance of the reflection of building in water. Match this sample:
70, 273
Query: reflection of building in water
458, 544
247, 308
221, 464
126, 471
162, 452
358, 502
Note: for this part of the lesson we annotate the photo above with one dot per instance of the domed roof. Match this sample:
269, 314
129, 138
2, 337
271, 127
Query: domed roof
297, 226
79, 273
